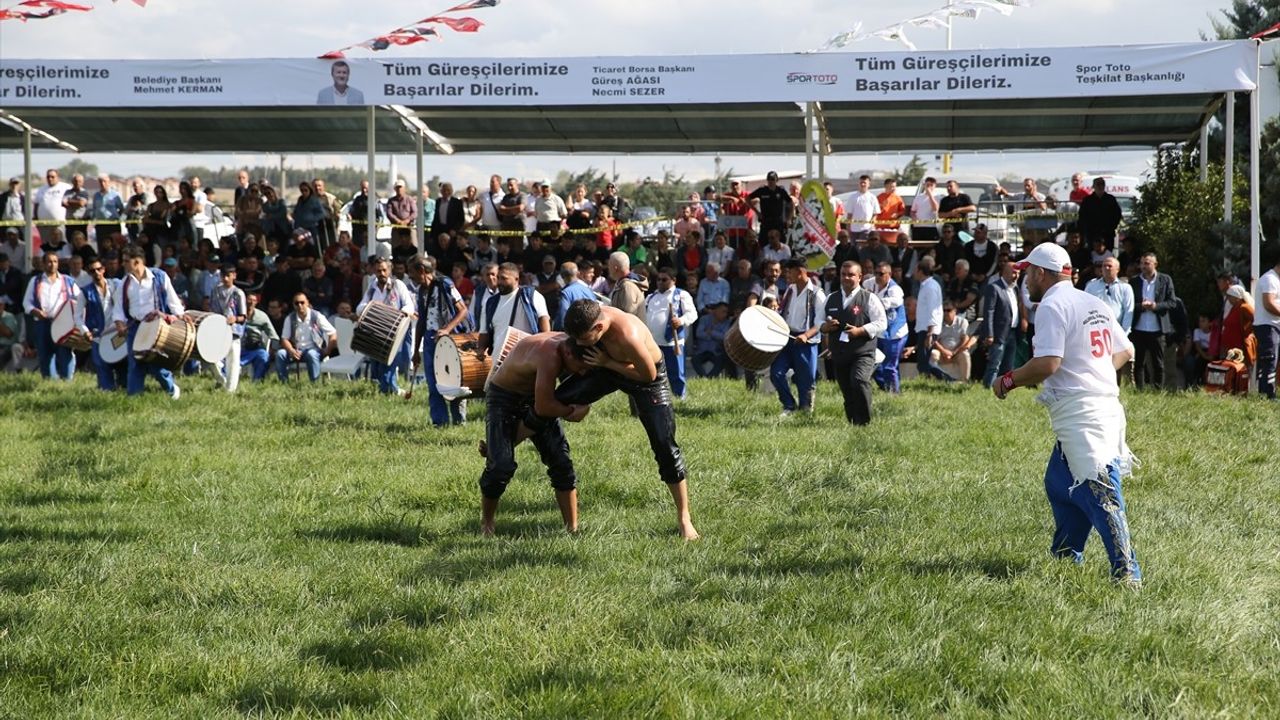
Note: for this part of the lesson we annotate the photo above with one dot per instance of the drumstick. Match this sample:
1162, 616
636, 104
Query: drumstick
413, 380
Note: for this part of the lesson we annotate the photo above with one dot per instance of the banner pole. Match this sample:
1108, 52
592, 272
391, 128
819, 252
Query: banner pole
371, 227
1255, 178
28, 204
1229, 157
419, 220
808, 141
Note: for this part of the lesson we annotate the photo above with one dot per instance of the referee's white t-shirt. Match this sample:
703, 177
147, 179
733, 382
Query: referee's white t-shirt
1079, 328
1268, 283
502, 315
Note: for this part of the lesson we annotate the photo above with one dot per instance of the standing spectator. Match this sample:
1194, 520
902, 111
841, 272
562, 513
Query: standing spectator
549, 209
1031, 202
12, 205
710, 214
309, 211
668, 312
838, 211
928, 320
401, 211
1078, 191
276, 224
1117, 294
999, 323
48, 199
472, 209
249, 212
620, 206
490, 201
182, 214
428, 207
242, 185
924, 213
1266, 324
894, 338
955, 207
511, 207
951, 352
892, 210
801, 306
1099, 215
1154, 297
773, 205
863, 208
329, 223
735, 213
136, 209
628, 293
582, 212
855, 320
78, 206
451, 212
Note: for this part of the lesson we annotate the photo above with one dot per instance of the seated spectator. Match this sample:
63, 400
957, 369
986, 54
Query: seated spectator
635, 250
462, 283
713, 289
344, 249
319, 287
302, 252
776, 249
259, 334
10, 330
345, 311
662, 257
308, 338
594, 276
955, 341
709, 356
1195, 352
1237, 327
403, 249
742, 284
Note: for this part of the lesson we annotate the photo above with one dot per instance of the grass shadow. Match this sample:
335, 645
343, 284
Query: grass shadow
18, 533
272, 695
20, 581
386, 532
374, 650
995, 568
487, 558
53, 496
795, 566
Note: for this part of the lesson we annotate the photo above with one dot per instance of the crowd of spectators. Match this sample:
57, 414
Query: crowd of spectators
967, 314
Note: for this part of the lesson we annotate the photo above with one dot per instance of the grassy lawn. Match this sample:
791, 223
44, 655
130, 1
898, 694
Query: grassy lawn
314, 551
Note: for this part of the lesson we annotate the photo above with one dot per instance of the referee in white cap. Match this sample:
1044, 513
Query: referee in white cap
1079, 346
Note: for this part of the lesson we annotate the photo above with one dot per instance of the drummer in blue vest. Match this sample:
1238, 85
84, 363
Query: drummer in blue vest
669, 311
390, 291
99, 297
441, 311
46, 294
801, 305
145, 294
891, 342
513, 306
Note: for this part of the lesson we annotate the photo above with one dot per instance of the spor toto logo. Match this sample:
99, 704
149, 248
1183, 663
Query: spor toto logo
801, 78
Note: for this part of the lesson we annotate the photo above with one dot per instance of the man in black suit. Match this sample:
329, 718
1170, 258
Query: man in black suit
1153, 299
450, 216
999, 319
855, 318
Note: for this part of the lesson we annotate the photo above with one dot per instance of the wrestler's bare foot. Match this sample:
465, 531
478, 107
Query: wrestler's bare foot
486, 529
488, 513
687, 530
484, 449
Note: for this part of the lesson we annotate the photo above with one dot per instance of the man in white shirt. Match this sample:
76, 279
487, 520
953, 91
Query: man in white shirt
490, 201
229, 301
1116, 294
523, 308
951, 349
924, 213
308, 337
548, 209
1266, 326
390, 291
720, 253
440, 312
146, 294
855, 319
1079, 346
48, 199
776, 250
863, 207
928, 319
48, 294
802, 306
668, 312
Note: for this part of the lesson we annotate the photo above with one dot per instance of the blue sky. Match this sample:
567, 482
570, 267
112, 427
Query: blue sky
287, 28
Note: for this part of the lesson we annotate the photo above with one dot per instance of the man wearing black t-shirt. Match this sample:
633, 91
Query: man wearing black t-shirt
511, 207
773, 205
955, 207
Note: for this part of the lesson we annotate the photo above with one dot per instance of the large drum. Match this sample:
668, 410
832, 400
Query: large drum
509, 341
213, 336
379, 332
113, 347
756, 338
64, 330
166, 344
459, 370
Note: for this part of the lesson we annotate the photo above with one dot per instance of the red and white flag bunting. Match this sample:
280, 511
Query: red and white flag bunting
420, 30
40, 9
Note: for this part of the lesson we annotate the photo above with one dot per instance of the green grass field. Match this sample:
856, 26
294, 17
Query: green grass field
315, 551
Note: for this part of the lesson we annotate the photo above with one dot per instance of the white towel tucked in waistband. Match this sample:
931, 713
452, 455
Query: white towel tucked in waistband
1091, 430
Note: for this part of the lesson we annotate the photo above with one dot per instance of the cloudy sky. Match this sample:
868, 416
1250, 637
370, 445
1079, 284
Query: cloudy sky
288, 28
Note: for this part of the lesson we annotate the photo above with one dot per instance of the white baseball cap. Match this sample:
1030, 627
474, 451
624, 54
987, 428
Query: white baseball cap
1048, 256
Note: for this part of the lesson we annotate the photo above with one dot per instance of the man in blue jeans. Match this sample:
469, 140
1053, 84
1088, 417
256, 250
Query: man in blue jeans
999, 321
307, 337
802, 306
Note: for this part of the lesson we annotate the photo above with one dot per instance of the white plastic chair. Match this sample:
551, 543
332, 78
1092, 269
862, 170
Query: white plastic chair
348, 361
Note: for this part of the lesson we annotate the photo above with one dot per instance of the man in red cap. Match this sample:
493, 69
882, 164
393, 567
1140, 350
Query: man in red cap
1079, 346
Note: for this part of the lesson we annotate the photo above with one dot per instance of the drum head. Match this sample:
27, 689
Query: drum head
64, 323
447, 363
144, 340
879, 356
213, 338
763, 329
113, 347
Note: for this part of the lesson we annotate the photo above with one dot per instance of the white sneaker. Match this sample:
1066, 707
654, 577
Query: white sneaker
177, 392
784, 415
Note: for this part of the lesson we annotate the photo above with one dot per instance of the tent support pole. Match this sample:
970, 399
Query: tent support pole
1255, 192
419, 220
808, 140
371, 227
822, 155
1229, 157
1204, 152
28, 205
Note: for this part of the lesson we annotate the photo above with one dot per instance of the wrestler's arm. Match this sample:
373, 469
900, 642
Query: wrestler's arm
636, 364
1036, 370
544, 389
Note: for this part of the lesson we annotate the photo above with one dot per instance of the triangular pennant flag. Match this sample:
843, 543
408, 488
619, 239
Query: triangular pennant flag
934, 20
895, 33
462, 24
847, 37
473, 5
